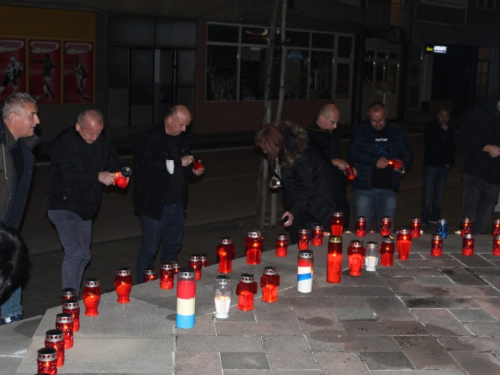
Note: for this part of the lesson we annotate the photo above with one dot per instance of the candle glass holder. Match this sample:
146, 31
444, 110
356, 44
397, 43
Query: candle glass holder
149, 275
349, 172
196, 264
281, 245
403, 241
303, 243
197, 166
442, 228
305, 271
64, 322
334, 260
466, 226
177, 266
222, 296
68, 293
337, 223
91, 296
123, 284
387, 249
361, 226
397, 165
468, 245
371, 257
204, 260
496, 245
47, 361
254, 244
317, 235
436, 245
72, 307
167, 275
226, 253
54, 338
186, 298
496, 228
355, 256
415, 227
246, 290
385, 226
269, 282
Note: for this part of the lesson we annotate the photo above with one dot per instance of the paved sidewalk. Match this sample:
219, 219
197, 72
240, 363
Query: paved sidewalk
426, 316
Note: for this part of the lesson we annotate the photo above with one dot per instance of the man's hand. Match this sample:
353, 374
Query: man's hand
493, 150
187, 160
106, 178
199, 172
340, 164
382, 163
289, 221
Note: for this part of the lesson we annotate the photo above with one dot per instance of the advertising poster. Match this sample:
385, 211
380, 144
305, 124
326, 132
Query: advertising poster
12, 70
78, 72
45, 74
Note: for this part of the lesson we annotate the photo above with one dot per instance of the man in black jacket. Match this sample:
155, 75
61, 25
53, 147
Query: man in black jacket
162, 164
479, 137
439, 157
81, 161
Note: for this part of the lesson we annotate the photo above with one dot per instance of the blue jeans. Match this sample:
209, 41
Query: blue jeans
478, 202
75, 235
434, 182
169, 230
12, 305
379, 202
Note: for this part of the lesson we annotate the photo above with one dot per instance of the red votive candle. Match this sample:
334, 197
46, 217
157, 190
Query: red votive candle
54, 338
204, 260
303, 239
176, 266
437, 245
269, 281
415, 227
349, 171
148, 275
245, 290
317, 235
197, 166
361, 226
466, 226
64, 322
47, 361
226, 253
72, 307
403, 241
196, 264
356, 257
387, 251
167, 275
496, 245
91, 296
334, 260
68, 293
337, 223
281, 245
496, 228
385, 226
468, 244
123, 284
254, 244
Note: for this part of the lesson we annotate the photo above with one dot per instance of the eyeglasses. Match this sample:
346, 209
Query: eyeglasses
379, 122
333, 122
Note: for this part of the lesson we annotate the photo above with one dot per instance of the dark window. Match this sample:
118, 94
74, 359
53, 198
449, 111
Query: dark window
345, 46
118, 66
320, 40
223, 33
141, 78
221, 72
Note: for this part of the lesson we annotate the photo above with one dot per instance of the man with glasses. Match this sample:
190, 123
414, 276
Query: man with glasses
372, 144
323, 136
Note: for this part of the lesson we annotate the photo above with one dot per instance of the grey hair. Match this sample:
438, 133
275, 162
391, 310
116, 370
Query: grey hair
15, 103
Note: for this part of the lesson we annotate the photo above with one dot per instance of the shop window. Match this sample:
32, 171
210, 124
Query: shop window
255, 35
296, 74
343, 87
320, 86
221, 72
118, 66
345, 47
320, 40
223, 33
141, 77
252, 73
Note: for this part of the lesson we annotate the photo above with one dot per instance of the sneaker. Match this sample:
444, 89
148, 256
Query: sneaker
12, 319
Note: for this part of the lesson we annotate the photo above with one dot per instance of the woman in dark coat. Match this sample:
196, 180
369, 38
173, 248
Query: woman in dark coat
311, 190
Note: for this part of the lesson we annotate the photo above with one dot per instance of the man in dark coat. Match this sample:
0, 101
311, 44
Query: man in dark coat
373, 143
82, 160
439, 157
17, 136
479, 137
162, 164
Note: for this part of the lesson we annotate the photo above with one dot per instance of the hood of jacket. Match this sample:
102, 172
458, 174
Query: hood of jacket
296, 142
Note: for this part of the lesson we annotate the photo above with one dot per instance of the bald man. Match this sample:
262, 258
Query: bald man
323, 136
162, 164
82, 160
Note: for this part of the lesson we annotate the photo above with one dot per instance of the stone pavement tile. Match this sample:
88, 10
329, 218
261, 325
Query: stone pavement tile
409, 287
110, 355
285, 343
390, 309
435, 262
434, 281
490, 257
280, 310
327, 302
429, 256
440, 322
346, 315
386, 361
463, 277
292, 360
472, 315
293, 292
493, 280
407, 272
219, 344
203, 326
484, 329
425, 353
353, 344
477, 363
481, 271
319, 322
471, 344
189, 363
444, 303
358, 291
16, 337
269, 327
341, 363
385, 328
473, 291
473, 261
492, 305
237, 315
244, 361
367, 278
419, 372
273, 372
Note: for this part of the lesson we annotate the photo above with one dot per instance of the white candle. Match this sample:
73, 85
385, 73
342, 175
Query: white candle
222, 304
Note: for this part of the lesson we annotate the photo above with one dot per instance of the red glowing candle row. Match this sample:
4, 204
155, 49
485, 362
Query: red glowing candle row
334, 260
355, 256
226, 254
303, 243
245, 290
317, 235
281, 245
254, 244
269, 283
337, 223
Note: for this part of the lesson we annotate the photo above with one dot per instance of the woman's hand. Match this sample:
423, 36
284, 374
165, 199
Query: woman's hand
287, 219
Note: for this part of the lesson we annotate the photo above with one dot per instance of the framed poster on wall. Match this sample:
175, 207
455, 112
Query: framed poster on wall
44, 71
78, 72
12, 69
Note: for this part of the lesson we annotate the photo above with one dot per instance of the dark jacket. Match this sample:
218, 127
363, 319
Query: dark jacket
327, 142
362, 152
481, 128
74, 172
151, 178
13, 195
310, 184
439, 145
